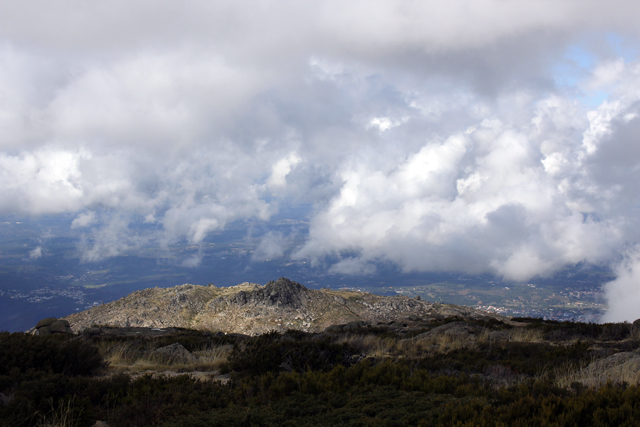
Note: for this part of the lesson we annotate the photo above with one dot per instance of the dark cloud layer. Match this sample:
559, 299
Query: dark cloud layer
446, 136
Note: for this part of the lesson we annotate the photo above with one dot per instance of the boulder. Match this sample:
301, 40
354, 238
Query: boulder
43, 330
52, 325
59, 327
46, 322
174, 353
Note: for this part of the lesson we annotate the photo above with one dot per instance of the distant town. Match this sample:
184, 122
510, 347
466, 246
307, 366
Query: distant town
579, 304
41, 295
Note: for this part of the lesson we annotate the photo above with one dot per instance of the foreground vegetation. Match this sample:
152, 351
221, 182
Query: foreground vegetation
481, 373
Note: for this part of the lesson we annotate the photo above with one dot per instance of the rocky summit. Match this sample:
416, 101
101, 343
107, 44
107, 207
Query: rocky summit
253, 309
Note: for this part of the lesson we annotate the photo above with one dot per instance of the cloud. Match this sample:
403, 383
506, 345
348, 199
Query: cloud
194, 260
43, 181
113, 238
623, 293
83, 220
35, 253
432, 135
281, 169
352, 266
271, 246
519, 196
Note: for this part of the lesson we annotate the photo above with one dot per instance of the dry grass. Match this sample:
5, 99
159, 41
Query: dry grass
525, 335
448, 342
60, 416
125, 356
615, 370
370, 345
442, 343
413, 348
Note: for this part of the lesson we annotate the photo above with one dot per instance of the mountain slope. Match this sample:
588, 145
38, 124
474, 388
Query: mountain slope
253, 309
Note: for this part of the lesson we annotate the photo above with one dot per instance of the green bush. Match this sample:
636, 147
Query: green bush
20, 353
291, 351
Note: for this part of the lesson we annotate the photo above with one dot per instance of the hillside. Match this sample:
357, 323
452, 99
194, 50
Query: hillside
253, 309
160, 358
423, 372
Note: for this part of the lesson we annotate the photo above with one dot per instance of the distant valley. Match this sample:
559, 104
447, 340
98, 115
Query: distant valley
59, 283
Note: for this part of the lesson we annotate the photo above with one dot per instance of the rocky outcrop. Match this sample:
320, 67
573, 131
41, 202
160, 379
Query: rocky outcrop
283, 294
51, 325
253, 309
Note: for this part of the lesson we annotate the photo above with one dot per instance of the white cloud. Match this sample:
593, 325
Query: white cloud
112, 239
36, 252
271, 246
623, 293
42, 181
428, 134
281, 169
84, 220
385, 123
352, 266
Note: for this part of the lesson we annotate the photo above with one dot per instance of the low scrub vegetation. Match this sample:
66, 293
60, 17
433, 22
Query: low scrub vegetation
453, 372
137, 357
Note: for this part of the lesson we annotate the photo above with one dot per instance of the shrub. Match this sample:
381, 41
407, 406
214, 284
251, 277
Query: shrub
21, 352
291, 351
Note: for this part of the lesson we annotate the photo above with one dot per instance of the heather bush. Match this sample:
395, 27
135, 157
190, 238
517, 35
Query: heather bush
20, 353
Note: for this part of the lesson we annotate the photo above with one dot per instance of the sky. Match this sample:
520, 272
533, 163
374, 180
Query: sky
479, 136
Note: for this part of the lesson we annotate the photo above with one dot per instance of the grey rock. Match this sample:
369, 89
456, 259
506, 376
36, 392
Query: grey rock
46, 322
59, 327
174, 353
44, 330
283, 293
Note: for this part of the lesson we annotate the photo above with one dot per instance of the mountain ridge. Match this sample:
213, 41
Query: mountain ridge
254, 309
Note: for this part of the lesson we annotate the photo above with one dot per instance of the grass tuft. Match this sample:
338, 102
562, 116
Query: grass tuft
133, 356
